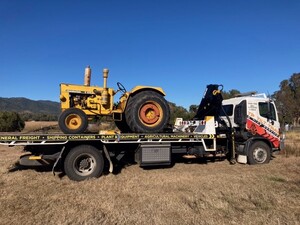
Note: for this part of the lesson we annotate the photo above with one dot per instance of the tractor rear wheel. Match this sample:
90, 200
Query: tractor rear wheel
146, 112
73, 121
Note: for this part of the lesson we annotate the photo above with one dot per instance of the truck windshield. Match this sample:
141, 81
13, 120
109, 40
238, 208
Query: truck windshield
228, 110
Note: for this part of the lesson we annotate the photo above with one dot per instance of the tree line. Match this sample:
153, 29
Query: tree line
13, 121
188, 114
38, 116
287, 100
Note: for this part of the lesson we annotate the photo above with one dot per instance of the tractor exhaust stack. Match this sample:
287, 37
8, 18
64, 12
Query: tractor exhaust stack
105, 76
104, 93
87, 76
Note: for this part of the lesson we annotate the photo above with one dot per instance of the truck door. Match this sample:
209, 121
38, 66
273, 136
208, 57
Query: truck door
265, 122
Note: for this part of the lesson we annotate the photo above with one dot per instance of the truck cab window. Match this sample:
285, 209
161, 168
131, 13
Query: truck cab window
267, 110
228, 110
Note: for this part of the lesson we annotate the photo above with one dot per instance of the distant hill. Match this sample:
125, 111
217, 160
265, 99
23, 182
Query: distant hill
24, 105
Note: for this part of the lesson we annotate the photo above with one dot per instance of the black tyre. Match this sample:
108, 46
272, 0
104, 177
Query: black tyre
146, 112
122, 125
259, 153
83, 162
73, 121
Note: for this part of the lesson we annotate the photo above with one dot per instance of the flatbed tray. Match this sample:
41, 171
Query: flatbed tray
13, 139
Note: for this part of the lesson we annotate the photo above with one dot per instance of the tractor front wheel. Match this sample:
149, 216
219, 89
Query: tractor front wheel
73, 121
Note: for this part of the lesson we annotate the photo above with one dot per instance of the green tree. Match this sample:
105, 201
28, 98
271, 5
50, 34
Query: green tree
26, 116
178, 112
230, 94
288, 99
193, 109
10, 122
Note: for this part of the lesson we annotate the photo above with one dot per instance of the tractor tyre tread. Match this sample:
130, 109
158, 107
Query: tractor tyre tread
132, 112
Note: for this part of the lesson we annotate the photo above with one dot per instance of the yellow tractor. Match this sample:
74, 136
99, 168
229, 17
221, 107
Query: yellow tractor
141, 110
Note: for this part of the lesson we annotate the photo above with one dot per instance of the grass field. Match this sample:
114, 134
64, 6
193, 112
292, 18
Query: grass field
292, 144
187, 193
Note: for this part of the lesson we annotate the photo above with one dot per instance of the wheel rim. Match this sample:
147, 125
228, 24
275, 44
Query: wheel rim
259, 155
73, 121
150, 113
84, 164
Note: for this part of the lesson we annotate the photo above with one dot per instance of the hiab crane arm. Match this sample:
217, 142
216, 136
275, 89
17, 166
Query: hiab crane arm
209, 108
207, 118
211, 103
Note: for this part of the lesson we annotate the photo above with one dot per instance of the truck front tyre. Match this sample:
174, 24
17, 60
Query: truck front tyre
83, 162
259, 153
73, 121
146, 112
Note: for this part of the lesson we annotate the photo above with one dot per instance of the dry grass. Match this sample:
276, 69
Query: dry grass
196, 193
40, 126
187, 193
292, 147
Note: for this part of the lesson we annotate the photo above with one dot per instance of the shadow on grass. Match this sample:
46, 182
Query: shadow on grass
179, 159
118, 165
40, 168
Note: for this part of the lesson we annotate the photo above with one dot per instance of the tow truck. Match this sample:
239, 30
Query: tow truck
244, 128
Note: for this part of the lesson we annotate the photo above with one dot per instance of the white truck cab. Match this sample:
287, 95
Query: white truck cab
253, 115
249, 121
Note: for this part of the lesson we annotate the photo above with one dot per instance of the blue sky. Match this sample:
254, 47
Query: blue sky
179, 45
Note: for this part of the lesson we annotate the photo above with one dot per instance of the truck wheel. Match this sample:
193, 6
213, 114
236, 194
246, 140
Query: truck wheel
83, 162
259, 153
146, 112
73, 121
